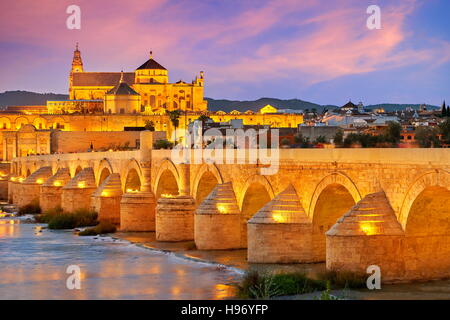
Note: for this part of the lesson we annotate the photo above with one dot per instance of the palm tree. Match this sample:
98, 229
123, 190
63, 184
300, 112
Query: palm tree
174, 117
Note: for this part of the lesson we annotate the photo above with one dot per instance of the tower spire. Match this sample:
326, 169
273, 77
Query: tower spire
121, 77
151, 54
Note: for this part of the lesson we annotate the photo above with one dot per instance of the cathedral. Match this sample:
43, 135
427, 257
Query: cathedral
146, 90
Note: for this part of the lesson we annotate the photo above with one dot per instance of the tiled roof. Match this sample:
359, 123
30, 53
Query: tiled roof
151, 64
101, 78
122, 89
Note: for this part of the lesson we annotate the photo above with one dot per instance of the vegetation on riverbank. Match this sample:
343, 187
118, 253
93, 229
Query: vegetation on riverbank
101, 228
255, 285
31, 208
64, 220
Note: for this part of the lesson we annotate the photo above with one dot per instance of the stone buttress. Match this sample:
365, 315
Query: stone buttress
31, 186
76, 194
106, 199
51, 190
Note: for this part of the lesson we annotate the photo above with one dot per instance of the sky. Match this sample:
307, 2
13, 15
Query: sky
315, 50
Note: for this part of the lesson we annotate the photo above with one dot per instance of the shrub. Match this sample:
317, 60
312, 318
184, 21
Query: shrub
79, 218
340, 280
257, 286
101, 228
47, 215
163, 144
31, 208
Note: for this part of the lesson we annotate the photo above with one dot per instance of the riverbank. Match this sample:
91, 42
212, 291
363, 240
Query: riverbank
236, 260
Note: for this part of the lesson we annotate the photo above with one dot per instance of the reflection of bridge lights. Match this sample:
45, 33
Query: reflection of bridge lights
222, 209
81, 184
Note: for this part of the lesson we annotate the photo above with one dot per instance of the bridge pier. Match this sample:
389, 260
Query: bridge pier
106, 199
11, 182
31, 186
369, 234
137, 209
218, 220
51, 190
76, 194
280, 232
175, 219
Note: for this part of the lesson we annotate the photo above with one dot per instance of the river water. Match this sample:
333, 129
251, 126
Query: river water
33, 266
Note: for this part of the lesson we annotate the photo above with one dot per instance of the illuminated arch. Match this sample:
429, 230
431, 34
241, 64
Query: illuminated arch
40, 123
132, 164
104, 168
58, 123
437, 178
256, 179
206, 169
5, 123
166, 164
335, 178
19, 122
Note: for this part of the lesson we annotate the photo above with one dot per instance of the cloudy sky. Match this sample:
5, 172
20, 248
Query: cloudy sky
315, 50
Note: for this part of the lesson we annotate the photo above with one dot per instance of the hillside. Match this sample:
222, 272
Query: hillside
26, 98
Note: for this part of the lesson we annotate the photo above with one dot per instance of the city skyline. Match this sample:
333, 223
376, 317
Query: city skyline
310, 50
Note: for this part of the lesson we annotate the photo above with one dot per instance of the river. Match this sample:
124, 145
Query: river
33, 266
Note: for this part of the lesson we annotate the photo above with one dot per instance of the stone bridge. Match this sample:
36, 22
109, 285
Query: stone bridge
349, 207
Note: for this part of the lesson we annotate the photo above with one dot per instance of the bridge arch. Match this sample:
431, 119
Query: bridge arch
435, 179
133, 177
167, 179
104, 170
76, 170
206, 179
332, 179
257, 192
334, 195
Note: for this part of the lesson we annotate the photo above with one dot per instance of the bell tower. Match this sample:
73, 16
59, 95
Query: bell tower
77, 66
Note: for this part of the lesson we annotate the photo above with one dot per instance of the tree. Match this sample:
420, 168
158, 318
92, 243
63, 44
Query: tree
174, 117
444, 130
298, 138
321, 139
149, 125
448, 111
427, 137
444, 112
203, 118
285, 142
393, 132
339, 137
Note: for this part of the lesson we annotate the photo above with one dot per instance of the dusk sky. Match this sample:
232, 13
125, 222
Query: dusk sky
315, 50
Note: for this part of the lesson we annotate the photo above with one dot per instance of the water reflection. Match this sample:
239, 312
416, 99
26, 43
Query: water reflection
34, 266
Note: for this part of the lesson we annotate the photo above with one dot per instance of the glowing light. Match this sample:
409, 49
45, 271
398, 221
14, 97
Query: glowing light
13, 179
57, 183
278, 217
132, 190
21, 179
81, 184
40, 181
166, 195
368, 228
105, 193
222, 209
